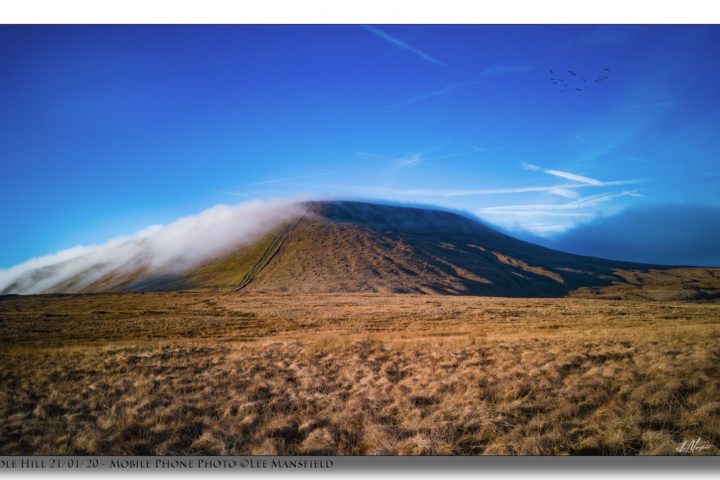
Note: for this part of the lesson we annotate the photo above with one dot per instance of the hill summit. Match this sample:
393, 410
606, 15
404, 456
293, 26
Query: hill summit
363, 247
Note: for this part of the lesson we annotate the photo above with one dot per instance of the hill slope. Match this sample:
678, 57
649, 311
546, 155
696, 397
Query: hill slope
356, 247
363, 247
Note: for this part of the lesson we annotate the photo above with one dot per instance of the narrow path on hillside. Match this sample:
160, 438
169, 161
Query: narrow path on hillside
269, 253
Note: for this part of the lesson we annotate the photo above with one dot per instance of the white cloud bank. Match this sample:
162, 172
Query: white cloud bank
158, 249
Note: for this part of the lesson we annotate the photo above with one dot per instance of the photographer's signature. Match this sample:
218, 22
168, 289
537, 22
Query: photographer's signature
694, 446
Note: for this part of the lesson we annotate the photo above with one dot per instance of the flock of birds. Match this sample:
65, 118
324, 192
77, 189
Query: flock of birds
572, 79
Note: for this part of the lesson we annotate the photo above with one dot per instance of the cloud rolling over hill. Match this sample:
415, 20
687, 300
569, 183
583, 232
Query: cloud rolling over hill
157, 249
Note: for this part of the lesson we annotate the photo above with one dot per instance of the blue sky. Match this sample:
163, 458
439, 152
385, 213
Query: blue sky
105, 130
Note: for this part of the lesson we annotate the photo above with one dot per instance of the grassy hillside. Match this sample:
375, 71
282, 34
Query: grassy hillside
347, 247
355, 247
210, 374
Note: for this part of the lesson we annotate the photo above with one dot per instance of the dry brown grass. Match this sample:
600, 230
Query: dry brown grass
355, 374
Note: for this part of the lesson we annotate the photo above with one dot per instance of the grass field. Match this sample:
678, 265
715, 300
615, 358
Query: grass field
181, 373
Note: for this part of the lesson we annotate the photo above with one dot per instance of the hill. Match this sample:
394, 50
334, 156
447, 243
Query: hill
363, 247
351, 247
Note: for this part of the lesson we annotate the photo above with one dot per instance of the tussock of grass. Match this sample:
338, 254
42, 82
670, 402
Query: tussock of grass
358, 374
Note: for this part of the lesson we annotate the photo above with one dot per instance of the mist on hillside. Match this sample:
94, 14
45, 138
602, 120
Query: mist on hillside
157, 249
658, 235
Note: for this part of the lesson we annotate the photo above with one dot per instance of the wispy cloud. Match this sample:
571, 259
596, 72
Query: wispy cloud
544, 228
490, 71
473, 192
599, 150
547, 219
397, 162
587, 142
540, 215
565, 175
409, 161
576, 178
400, 44
566, 190
561, 209
157, 249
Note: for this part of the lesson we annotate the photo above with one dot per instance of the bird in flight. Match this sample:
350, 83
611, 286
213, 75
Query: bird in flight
573, 80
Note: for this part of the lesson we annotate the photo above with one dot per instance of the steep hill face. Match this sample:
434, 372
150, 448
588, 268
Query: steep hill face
360, 247
363, 247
